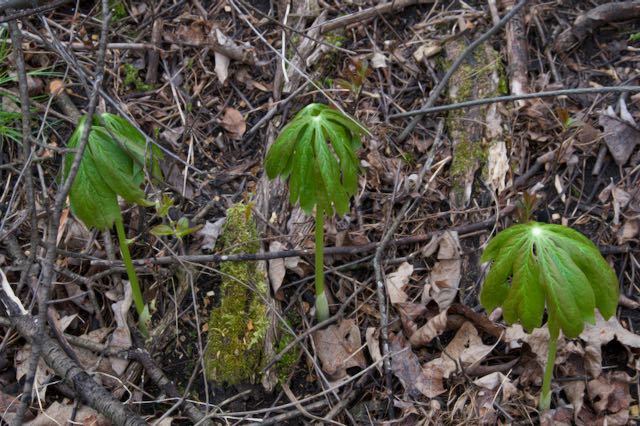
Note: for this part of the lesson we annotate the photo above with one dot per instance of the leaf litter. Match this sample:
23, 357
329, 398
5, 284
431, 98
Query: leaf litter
448, 367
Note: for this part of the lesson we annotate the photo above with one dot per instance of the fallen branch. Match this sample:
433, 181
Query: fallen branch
594, 18
369, 13
87, 390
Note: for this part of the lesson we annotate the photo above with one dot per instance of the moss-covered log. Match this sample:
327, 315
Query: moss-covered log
238, 326
472, 130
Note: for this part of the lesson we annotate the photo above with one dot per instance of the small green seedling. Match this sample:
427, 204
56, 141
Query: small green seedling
178, 228
113, 165
536, 264
321, 175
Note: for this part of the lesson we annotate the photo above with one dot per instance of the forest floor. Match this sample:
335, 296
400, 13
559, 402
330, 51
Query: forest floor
212, 83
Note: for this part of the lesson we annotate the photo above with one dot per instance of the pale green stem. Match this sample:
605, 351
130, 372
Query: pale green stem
545, 395
131, 272
322, 304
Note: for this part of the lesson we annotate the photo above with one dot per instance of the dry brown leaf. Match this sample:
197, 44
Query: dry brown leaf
432, 329
572, 364
602, 333
495, 381
397, 281
222, 62
562, 416
121, 336
538, 341
620, 136
629, 230
210, 233
234, 123
415, 379
339, 348
409, 314
277, 269
464, 350
372, 337
610, 396
619, 198
58, 413
444, 279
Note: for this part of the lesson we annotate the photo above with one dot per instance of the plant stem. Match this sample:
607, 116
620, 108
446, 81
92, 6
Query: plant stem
322, 305
545, 395
131, 271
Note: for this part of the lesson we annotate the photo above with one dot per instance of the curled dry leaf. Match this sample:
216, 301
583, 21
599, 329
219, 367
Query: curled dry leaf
620, 135
410, 313
233, 122
339, 348
397, 281
619, 198
210, 233
602, 333
611, 397
121, 336
629, 230
444, 279
464, 350
432, 329
222, 62
497, 381
277, 269
538, 341
378, 60
415, 379
372, 337
562, 416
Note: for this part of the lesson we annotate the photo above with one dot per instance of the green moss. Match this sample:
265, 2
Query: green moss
289, 360
238, 326
118, 10
131, 78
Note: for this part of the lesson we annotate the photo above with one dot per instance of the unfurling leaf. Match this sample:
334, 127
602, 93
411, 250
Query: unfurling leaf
316, 152
536, 264
113, 165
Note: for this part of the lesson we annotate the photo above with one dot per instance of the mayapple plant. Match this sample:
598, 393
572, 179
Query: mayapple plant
536, 264
113, 165
316, 151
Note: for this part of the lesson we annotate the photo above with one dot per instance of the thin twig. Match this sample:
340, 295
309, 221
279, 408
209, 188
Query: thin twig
28, 12
511, 98
344, 250
27, 154
44, 290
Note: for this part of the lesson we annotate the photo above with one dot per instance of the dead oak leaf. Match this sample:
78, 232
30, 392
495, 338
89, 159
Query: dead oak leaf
339, 348
464, 350
397, 281
602, 333
611, 396
444, 279
433, 328
620, 136
415, 379
234, 123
